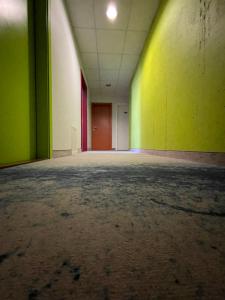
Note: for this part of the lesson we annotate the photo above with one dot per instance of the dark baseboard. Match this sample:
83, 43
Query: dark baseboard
61, 153
18, 163
215, 158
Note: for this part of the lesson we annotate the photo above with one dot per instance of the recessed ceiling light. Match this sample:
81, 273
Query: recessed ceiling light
111, 12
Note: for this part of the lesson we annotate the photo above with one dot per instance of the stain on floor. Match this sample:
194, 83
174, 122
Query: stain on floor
109, 226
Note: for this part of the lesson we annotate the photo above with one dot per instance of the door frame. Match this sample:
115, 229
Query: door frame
40, 37
117, 124
83, 114
92, 125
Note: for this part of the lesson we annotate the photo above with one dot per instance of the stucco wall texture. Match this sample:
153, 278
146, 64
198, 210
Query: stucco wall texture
178, 92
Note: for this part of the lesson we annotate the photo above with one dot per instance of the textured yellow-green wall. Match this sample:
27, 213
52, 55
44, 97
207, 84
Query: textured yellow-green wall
178, 91
17, 93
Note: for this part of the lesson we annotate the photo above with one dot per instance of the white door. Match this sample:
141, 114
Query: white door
122, 127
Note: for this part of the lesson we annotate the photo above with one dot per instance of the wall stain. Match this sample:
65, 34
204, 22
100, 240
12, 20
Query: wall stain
205, 28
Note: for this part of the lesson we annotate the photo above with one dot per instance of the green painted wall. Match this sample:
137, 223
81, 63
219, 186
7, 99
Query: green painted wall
17, 99
178, 91
25, 98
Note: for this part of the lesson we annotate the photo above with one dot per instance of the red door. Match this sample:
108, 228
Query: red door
83, 114
101, 126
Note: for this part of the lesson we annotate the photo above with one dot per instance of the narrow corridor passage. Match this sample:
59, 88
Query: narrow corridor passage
112, 226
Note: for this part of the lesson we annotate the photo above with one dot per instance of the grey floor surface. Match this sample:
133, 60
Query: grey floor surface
112, 226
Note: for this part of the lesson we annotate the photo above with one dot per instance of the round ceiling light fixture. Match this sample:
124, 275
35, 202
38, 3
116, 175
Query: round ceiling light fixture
111, 12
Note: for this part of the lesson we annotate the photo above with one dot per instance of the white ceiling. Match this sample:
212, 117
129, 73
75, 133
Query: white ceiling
110, 51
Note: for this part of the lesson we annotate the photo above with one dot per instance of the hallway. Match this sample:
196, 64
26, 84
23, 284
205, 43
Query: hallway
112, 226
112, 149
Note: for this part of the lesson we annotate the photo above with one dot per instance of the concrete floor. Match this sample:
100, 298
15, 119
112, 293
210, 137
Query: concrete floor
112, 226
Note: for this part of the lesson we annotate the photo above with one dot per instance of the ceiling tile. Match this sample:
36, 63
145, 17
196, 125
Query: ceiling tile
110, 61
81, 12
125, 78
110, 75
86, 40
129, 62
110, 50
142, 14
122, 91
94, 84
121, 22
110, 41
108, 91
90, 60
134, 42
96, 91
92, 74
